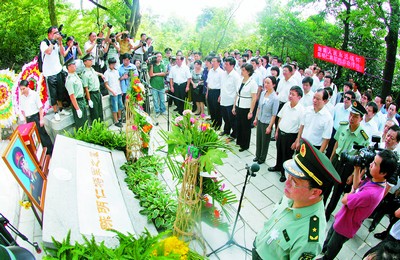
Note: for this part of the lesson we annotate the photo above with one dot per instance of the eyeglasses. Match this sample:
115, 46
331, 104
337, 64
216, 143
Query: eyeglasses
294, 184
348, 98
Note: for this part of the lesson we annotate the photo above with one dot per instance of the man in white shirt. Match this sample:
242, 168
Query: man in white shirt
308, 96
95, 47
230, 84
391, 113
32, 109
316, 123
214, 83
287, 129
296, 74
379, 118
328, 82
179, 79
368, 124
51, 49
140, 47
285, 84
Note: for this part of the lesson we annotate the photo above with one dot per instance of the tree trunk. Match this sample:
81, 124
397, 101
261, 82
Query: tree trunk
391, 40
132, 25
52, 13
346, 35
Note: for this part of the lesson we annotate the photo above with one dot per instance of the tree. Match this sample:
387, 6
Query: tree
52, 13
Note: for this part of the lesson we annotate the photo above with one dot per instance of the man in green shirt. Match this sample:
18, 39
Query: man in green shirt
348, 134
91, 84
157, 73
74, 87
296, 229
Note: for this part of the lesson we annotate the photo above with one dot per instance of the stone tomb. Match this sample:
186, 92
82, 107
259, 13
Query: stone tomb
86, 193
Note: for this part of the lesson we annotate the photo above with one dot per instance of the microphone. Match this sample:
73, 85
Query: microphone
255, 167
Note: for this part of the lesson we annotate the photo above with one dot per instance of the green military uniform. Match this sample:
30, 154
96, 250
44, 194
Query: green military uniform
292, 233
298, 233
74, 86
91, 81
346, 139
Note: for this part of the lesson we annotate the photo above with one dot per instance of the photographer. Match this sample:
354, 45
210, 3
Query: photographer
111, 47
140, 47
360, 202
72, 49
95, 47
349, 133
157, 73
124, 41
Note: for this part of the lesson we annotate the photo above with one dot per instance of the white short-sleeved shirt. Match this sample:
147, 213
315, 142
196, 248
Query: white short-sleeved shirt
283, 88
51, 63
112, 77
230, 84
244, 98
307, 99
317, 125
30, 104
290, 118
214, 78
180, 74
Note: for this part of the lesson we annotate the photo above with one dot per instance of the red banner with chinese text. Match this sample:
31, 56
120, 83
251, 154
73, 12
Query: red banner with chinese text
342, 58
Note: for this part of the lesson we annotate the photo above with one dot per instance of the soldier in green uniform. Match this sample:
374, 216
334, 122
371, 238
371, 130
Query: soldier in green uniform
296, 229
91, 85
348, 134
74, 87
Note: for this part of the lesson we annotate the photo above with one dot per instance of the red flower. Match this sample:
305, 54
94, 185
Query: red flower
216, 213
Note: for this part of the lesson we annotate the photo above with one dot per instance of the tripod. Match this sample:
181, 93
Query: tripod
231, 241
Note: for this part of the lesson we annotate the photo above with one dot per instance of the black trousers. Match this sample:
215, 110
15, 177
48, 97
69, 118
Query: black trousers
179, 92
44, 137
243, 128
344, 171
283, 146
214, 107
229, 120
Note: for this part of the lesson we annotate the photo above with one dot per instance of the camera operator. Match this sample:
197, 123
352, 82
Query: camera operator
140, 47
360, 202
157, 73
95, 47
150, 49
349, 133
72, 49
50, 49
111, 47
125, 43
391, 202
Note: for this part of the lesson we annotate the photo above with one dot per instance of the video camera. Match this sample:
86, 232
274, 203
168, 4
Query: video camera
99, 41
364, 156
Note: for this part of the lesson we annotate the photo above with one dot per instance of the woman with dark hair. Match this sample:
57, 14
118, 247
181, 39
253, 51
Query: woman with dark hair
243, 107
265, 118
275, 72
197, 84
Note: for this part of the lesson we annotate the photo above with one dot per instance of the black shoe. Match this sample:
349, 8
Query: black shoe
381, 235
255, 159
242, 149
118, 124
260, 162
274, 169
282, 178
272, 139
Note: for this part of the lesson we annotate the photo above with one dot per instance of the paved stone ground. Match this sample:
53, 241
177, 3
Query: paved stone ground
262, 192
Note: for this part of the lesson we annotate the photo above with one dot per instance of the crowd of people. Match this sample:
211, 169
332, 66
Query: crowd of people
303, 110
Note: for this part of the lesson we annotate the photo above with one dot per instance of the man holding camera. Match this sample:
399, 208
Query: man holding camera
126, 71
349, 133
125, 44
360, 202
72, 49
94, 46
157, 73
50, 49
140, 47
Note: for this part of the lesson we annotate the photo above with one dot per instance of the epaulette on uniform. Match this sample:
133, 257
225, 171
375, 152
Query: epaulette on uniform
364, 135
313, 232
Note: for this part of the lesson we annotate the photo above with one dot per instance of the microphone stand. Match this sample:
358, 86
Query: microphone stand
231, 241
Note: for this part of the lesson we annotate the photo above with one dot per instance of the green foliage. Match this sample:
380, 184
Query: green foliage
98, 133
130, 247
159, 205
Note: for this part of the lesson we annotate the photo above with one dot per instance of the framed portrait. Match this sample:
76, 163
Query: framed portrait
26, 171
